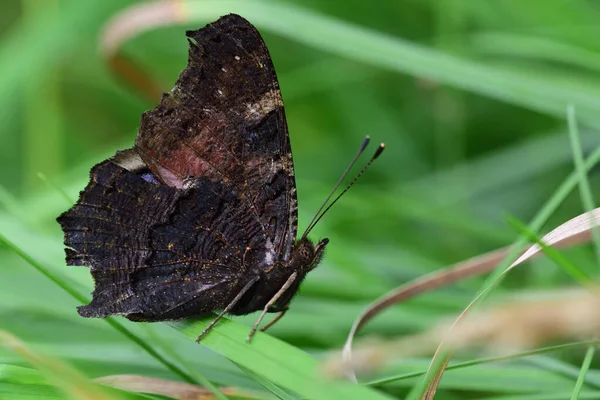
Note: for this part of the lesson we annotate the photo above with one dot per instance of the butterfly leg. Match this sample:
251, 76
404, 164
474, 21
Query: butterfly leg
277, 318
281, 291
228, 308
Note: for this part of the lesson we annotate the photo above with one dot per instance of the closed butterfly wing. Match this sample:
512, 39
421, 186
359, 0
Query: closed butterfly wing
205, 201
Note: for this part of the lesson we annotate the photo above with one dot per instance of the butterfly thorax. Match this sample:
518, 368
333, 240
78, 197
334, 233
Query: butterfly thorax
306, 255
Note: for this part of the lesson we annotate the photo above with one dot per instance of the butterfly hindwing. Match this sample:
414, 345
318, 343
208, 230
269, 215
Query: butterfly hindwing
153, 248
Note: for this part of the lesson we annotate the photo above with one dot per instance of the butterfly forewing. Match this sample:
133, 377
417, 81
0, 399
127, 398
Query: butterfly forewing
225, 121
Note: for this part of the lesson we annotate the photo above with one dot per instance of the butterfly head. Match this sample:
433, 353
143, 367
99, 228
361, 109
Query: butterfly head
306, 255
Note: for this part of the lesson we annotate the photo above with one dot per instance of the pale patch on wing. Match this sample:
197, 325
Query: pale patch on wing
130, 160
270, 101
269, 258
269, 254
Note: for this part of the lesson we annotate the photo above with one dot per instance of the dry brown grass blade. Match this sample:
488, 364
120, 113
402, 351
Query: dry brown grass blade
465, 269
129, 23
502, 330
138, 18
575, 231
173, 389
63, 376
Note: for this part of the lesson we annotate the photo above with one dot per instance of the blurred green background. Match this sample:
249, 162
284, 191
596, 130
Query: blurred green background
469, 96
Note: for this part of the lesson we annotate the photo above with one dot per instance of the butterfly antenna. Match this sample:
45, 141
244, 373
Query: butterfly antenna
362, 148
320, 214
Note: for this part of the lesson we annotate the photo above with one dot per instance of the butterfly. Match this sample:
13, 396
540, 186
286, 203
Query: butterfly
201, 214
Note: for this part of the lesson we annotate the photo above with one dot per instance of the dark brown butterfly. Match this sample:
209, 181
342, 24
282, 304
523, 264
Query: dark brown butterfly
201, 214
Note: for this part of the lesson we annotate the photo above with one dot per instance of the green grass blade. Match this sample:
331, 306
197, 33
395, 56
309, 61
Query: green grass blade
588, 203
485, 360
584, 184
267, 384
536, 48
173, 355
280, 363
585, 366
